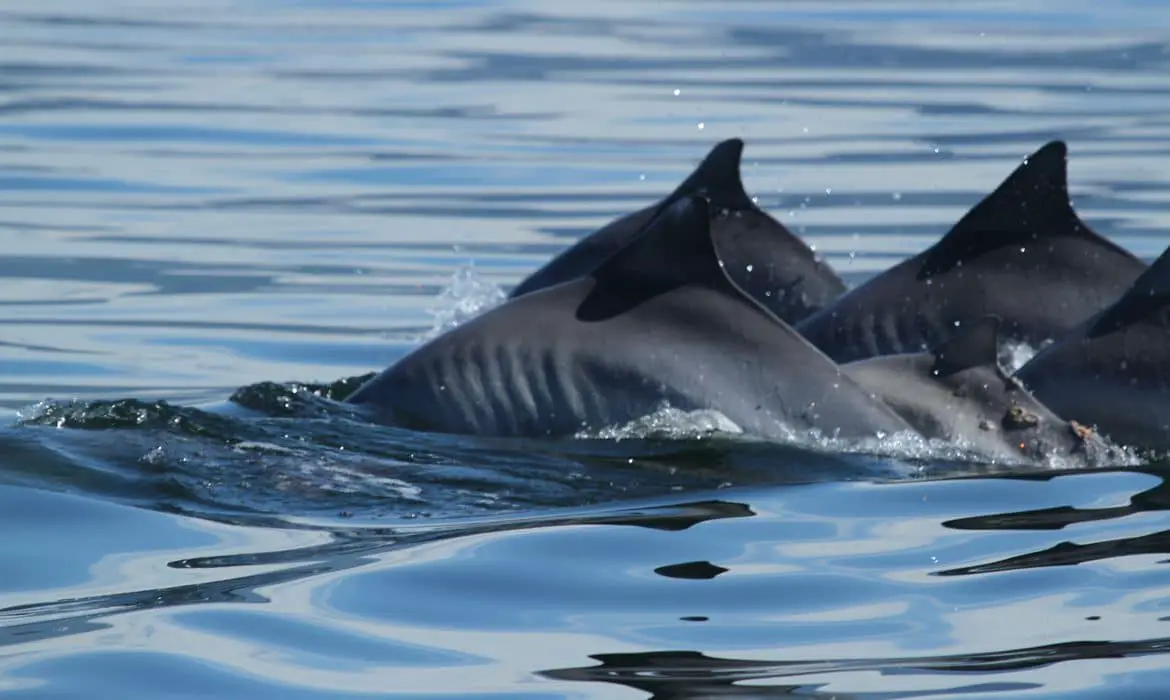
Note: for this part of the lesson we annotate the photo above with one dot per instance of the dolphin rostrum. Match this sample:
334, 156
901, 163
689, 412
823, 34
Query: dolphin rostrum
959, 392
659, 322
1113, 371
1021, 253
763, 258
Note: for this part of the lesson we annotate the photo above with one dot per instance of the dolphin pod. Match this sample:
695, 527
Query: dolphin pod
704, 301
657, 323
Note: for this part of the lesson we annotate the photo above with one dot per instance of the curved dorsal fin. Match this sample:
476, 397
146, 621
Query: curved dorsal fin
1150, 292
1031, 203
717, 178
977, 345
672, 250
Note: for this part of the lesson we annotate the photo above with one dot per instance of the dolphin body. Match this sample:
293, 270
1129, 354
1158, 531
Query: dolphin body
1113, 371
1021, 253
763, 258
959, 392
658, 322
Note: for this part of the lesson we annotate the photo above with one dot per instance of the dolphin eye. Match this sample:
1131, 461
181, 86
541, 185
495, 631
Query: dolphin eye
1017, 419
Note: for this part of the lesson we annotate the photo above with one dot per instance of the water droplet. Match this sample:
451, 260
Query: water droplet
702, 125
749, 268
677, 92
755, 200
1023, 250
642, 177
805, 130
958, 323
897, 196
828, 190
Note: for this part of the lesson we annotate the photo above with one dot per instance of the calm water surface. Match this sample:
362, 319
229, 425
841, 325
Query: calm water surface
214, 213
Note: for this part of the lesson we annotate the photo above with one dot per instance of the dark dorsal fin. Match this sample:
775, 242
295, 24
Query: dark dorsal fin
1149, 293
1031, 203
717, 178
673, 250
977, 345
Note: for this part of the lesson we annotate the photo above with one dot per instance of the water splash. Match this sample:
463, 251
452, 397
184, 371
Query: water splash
466, 296
1015, 354
669, 423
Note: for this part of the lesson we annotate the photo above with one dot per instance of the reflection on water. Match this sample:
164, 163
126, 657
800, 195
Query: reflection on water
217, 217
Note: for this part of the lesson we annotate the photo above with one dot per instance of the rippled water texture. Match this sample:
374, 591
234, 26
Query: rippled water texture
217, 216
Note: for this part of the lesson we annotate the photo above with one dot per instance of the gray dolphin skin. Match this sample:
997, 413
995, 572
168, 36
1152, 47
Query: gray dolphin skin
960, 393
765, 259
659, 321
1113, 372
1021, 253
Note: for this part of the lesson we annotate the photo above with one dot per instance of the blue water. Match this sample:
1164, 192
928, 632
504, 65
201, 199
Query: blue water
216, 215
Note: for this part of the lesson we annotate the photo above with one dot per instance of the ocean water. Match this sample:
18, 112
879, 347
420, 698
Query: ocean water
218, 216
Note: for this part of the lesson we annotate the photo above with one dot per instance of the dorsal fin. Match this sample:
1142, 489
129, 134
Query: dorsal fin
977, 345
673, 250
717, 178
1031, 203
1149, 292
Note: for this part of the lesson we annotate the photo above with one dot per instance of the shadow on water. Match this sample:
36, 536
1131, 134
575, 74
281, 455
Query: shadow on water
348, 548
669, 675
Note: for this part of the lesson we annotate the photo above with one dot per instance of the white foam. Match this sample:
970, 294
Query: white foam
669, 423
1013, 355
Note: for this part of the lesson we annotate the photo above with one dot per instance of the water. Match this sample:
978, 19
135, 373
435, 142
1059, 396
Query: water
217, 215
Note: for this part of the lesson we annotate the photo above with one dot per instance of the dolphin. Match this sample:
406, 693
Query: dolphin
959, 392
1113, 371
764, 258
658, 323
1021, 253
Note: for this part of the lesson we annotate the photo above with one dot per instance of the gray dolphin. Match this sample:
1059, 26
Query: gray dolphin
1021, 253
764, 259
959, 392
659, 321
1113, 371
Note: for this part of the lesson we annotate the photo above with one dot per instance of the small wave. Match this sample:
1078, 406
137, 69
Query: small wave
466, 296
910, 449
668, 423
